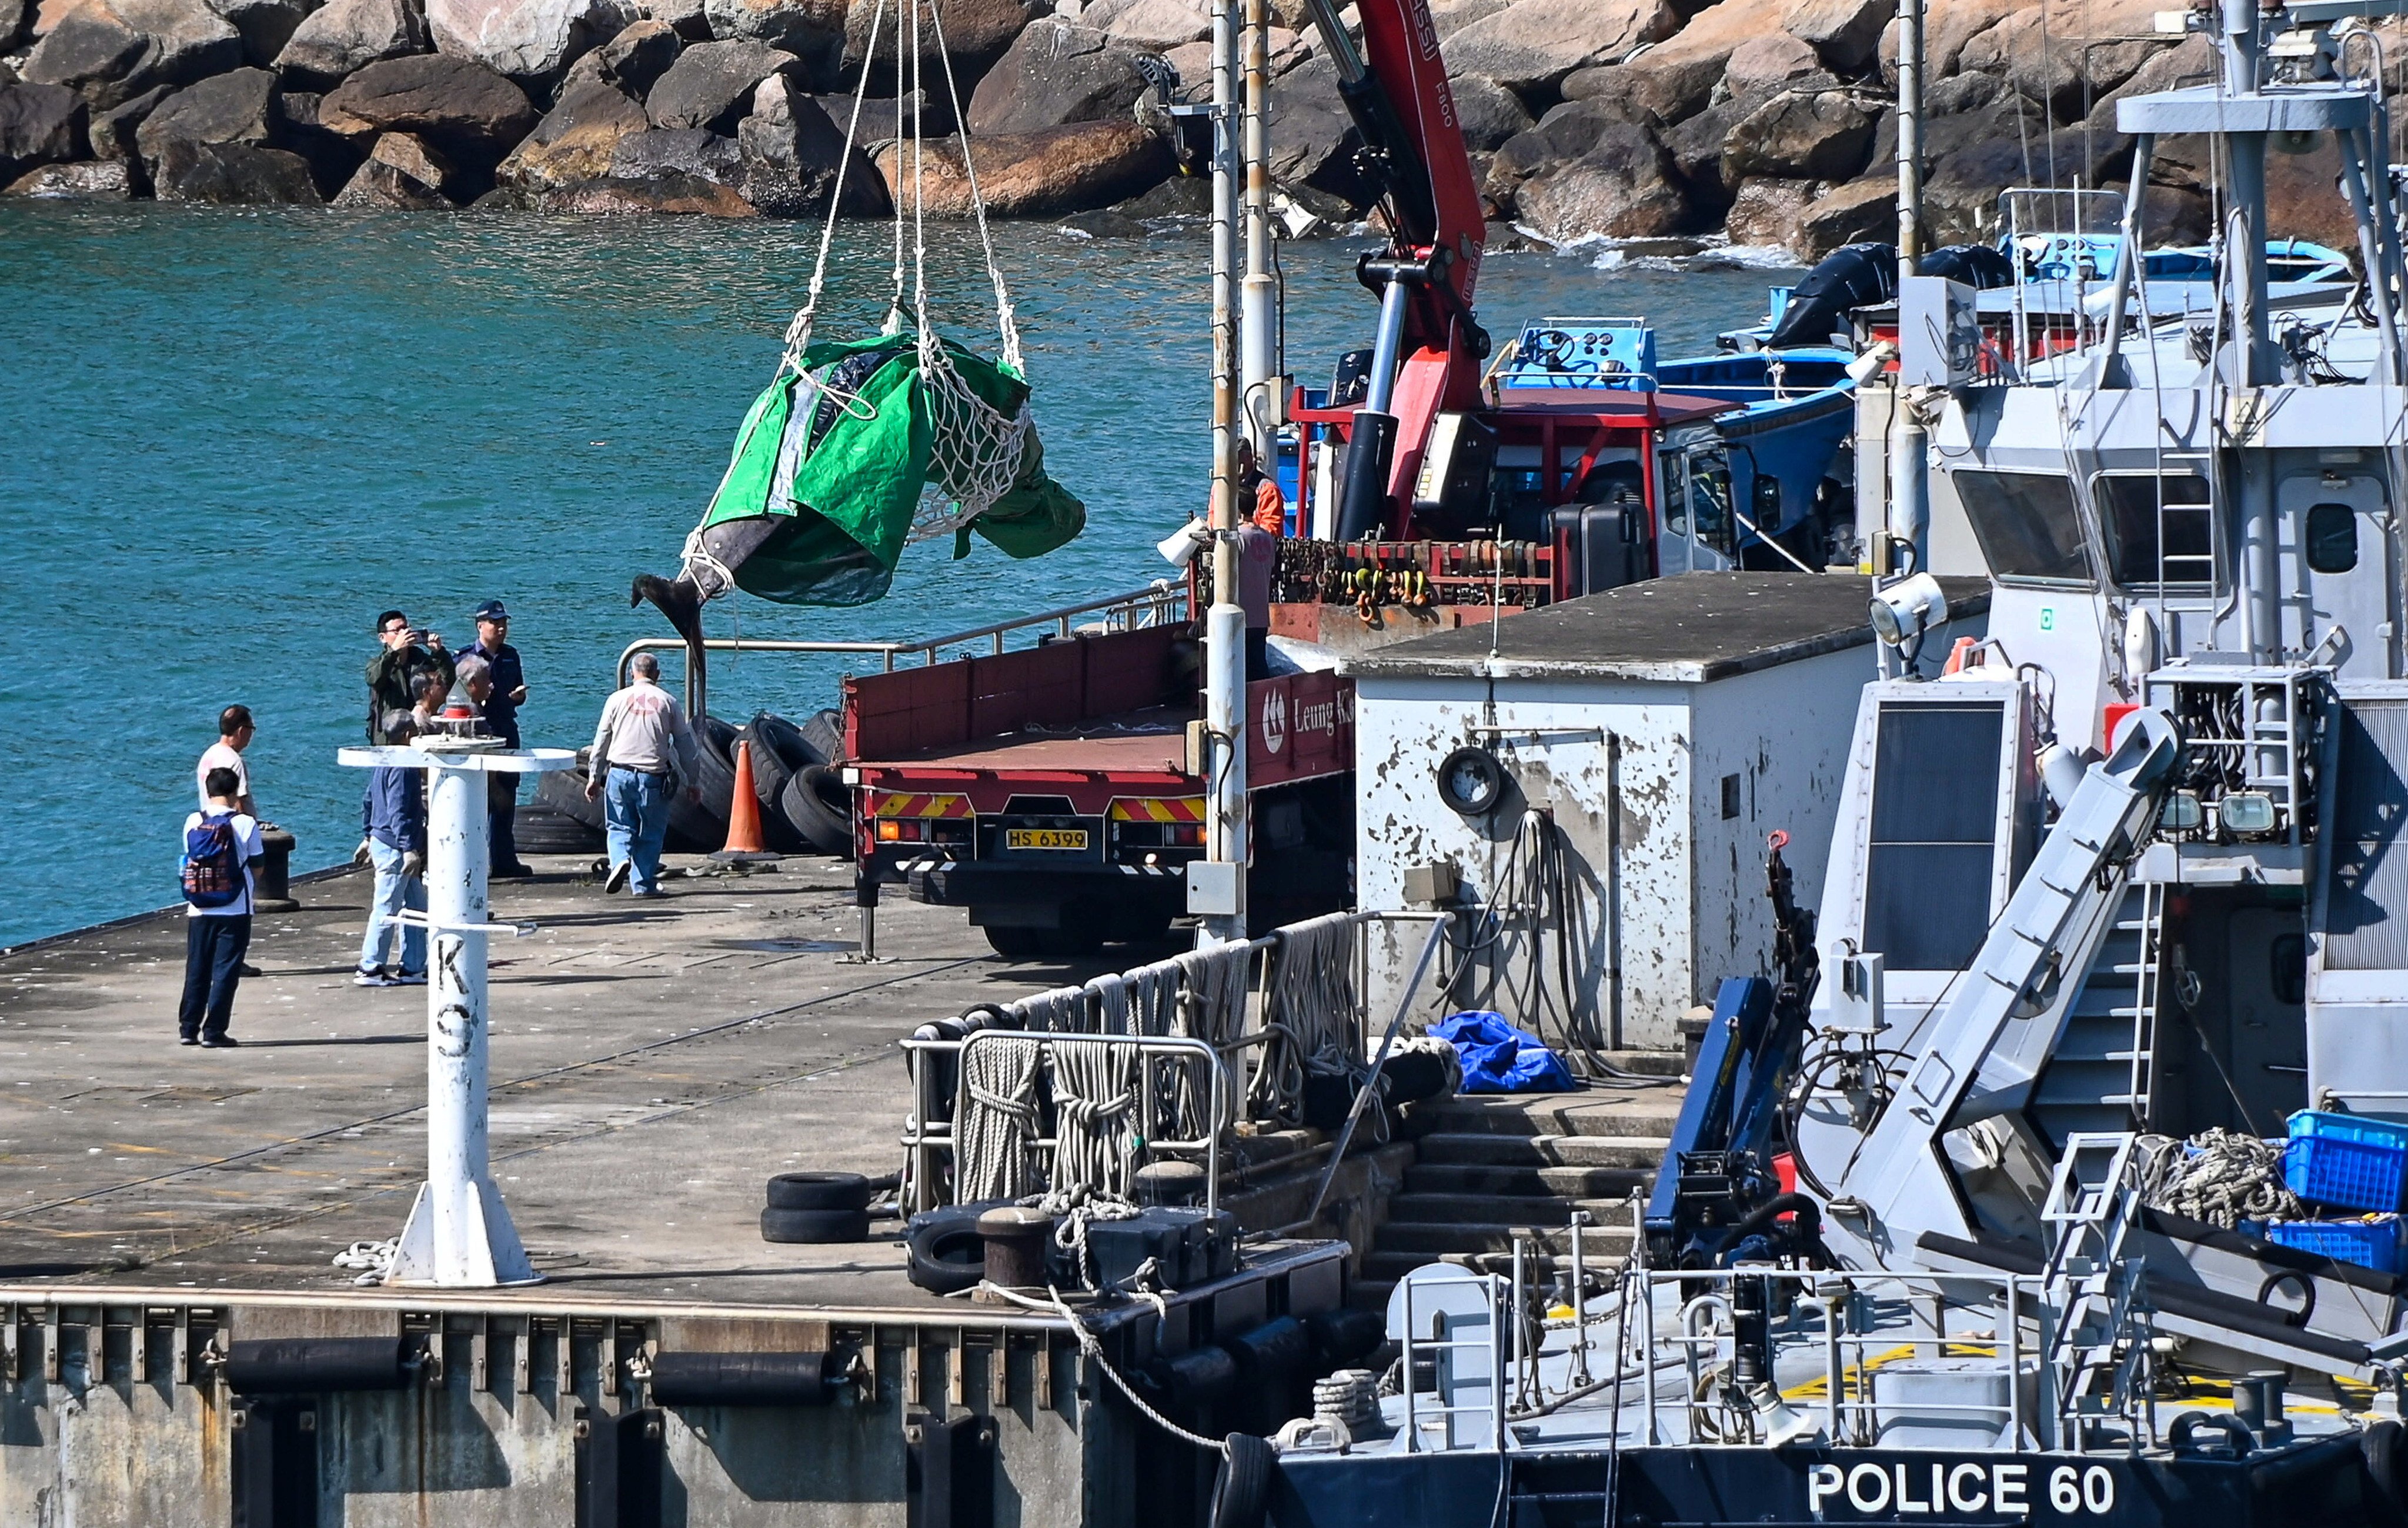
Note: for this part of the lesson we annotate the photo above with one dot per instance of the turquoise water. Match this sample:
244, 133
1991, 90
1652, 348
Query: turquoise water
229, 437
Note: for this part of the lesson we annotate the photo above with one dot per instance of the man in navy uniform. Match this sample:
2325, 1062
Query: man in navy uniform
501, 708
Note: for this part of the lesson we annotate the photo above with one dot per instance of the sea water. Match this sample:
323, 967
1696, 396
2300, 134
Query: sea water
230, 437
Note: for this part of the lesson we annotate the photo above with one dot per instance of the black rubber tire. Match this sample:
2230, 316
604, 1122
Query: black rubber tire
943, 1252
814, 1226
770, 772
784, 738
824, 735
819, 1192
819, 806
701, 827
1242, 1489
542, 829
563, 791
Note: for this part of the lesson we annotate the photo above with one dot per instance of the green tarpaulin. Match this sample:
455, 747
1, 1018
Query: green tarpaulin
841, 452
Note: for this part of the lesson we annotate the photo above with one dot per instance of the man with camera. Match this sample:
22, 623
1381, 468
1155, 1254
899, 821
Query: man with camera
392, 673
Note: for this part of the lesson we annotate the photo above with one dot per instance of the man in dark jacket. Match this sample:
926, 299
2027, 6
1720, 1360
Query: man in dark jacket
392, 673
501, 710
392, 819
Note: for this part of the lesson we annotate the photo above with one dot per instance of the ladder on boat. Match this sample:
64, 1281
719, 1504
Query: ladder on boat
2091, 1290
2099, 1072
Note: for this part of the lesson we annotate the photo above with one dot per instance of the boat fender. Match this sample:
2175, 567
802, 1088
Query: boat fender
745, 1379
1272, 1351
943, 1251
319, 1366
819, 1192
1343, 1338
2183, 1437
814, 1227
2298, 1280
2387, 1498
1241, 1490
1200, 1376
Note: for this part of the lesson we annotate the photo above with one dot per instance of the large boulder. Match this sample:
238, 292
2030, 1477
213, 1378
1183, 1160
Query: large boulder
1313, 141
1948, 25
1620, 185
1806, 136
40, 124
347, 36
113, 130
533, 40
237, 108
676, 151
403, 171
16, 22
1054, 73
1533, 44
2066, 73
106, 180
265, 26
712, 83
241, 174
333, 158
635, 59
977, 33
1696, 150
677, 194
111, 50
1487, 112
1849, 214
577, 139
461, 105
1765, 213
1049, 174
1844, 34
1763, 67
1675, 78
811, 31
791, 153
1151, 26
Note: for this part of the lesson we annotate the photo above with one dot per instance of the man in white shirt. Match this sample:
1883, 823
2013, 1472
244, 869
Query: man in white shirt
221, 845
235, 732
643, 749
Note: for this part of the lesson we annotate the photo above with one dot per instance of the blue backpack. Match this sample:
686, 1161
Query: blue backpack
213, 871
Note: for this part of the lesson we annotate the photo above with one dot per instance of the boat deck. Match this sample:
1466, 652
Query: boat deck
652, 1063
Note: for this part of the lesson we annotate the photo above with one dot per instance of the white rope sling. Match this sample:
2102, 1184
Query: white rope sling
975, 451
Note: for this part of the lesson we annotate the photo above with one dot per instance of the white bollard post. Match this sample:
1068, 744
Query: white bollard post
459, 1234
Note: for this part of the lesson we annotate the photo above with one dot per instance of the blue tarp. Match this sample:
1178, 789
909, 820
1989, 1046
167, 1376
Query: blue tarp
1500, 1058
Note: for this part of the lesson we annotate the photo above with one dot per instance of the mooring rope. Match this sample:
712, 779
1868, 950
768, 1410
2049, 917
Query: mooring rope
996, 1120
1094, 1094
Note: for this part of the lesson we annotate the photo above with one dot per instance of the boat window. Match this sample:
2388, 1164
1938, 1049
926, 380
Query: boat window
1935, 822
1765, 508
1710, 497
1676, 489
2025, 522
2160, 531
2332, 537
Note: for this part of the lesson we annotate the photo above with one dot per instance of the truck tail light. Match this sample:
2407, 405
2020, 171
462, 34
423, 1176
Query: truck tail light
1188, 835
901, 831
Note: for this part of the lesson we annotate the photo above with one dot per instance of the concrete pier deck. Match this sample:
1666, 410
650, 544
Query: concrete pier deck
654, 1062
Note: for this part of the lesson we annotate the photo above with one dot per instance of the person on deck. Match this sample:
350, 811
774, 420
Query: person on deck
392, 673
235, 732
221, 845
1257, 489
643, 751
393, 817
501, 708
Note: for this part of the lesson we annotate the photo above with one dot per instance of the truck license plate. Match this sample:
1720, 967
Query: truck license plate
1045, 838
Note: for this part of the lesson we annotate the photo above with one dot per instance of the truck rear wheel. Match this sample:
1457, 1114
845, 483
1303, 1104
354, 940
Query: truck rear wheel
1017, 943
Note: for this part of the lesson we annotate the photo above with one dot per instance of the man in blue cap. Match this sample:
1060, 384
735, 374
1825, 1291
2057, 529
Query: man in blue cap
501, 707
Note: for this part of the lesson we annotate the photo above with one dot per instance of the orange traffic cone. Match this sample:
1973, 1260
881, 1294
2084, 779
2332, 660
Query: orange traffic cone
744, 844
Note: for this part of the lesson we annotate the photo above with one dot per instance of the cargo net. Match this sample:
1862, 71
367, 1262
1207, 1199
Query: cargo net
975, 450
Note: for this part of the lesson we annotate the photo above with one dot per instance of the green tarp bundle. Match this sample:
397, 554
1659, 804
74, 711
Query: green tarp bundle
842, 451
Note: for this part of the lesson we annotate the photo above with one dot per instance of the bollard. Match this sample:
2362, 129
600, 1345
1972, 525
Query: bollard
271, 885
459, 1234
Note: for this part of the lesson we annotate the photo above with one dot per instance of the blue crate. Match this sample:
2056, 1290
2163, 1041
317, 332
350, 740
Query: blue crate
2346, 1159
2372, 1243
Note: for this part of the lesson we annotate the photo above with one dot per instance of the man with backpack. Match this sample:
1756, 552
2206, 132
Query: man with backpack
220, 844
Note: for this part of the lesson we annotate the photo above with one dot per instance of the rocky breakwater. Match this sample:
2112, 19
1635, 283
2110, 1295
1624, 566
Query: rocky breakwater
722, 107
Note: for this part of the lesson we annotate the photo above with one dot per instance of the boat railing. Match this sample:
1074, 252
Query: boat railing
1159, 604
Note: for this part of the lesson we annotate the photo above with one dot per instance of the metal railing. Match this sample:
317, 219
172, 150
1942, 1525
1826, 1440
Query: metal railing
1159, 604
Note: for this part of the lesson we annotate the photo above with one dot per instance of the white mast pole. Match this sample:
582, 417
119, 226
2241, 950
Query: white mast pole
1223, 903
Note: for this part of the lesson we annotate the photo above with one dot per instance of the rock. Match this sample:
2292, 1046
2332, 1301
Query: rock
111, 50
1849, 214
687, 18
1149, 25
113, 130
265, 26
1765, 213
347, 36
1487, 111
676, 194
1675, 78
237, 108
379, 185
676, 151
977, 33
878, 115
636, 59
413, 156
40, 124
1948, 25
240, 174
334, 159
1762, 66
791, 149
1045, 174
1533, 44
461, 105
1696, 150
110, 180
16, 22
712, 83
576, 140
533, 40
1817, 136
811, 31
1621, 186
1313, 138
1844, 34
1054, 73
1452, 16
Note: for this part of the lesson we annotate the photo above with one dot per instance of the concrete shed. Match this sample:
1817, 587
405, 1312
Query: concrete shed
1648, 740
